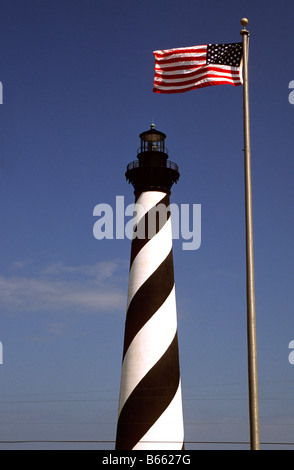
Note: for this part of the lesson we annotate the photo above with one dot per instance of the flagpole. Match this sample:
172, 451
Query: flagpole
251, 319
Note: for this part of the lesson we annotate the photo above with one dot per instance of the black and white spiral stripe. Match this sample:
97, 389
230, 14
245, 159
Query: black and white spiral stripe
150, 404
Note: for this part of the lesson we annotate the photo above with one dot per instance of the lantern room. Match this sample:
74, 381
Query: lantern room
152, 171
152, 141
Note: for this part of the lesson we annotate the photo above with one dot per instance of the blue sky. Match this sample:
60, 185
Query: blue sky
77, 91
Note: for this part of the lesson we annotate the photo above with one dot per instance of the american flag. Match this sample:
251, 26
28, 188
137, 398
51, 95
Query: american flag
188, 68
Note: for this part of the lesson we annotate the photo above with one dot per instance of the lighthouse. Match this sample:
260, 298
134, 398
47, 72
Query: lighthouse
150, 415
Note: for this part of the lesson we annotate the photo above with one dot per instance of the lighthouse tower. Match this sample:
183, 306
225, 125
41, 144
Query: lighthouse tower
150, 403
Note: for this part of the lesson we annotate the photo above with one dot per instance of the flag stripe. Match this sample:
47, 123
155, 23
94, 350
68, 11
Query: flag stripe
171, 82
201, 84
195, 82
179, 68
180, 50
183, 73
174, 79
207, 79
186, 59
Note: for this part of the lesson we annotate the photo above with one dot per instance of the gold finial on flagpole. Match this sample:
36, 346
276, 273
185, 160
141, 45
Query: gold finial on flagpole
244, 22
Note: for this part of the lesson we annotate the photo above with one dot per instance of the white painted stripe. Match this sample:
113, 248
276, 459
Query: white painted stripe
148, 346
167, 433
149, 259
146, 201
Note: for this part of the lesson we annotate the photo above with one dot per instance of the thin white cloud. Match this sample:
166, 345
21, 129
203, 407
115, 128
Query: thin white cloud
59, 287
56, 328
101, 271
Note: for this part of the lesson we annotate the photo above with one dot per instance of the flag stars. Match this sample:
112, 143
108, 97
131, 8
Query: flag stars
225, 54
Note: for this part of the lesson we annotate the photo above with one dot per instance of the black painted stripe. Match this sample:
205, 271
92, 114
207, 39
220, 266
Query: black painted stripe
149, 399
144, 229
148, 298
